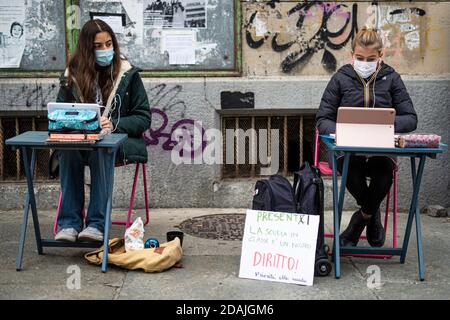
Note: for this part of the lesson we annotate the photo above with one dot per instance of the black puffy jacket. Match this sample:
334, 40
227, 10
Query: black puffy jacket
386, 90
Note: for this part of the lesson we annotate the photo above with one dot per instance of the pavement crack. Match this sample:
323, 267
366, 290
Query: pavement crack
363, 276
357, 269
375, 294
119, 287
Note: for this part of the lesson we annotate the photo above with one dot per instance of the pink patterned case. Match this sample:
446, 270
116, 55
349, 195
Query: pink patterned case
419, 140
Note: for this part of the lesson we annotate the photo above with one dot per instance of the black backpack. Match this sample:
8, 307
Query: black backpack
309, 197
274, 194
277, 194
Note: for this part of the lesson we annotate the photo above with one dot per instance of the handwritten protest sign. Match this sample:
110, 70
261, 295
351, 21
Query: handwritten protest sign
279, 246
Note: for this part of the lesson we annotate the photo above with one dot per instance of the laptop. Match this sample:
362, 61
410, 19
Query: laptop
69, 137
365, 127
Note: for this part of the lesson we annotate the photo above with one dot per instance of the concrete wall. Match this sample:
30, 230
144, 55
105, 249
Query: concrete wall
423, 63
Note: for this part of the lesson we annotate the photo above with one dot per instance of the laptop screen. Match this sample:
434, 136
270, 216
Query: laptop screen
365, 127
366, 115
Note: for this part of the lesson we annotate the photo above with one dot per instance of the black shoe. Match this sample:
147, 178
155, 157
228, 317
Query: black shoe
375, 231
350, 236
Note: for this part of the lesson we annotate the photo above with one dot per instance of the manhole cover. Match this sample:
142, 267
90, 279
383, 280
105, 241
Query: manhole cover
216, 226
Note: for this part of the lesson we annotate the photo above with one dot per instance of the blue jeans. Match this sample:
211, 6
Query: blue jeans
71, 172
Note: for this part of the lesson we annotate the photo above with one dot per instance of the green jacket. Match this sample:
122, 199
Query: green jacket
128, 97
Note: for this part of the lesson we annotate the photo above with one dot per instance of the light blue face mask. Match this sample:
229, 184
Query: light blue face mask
104, 57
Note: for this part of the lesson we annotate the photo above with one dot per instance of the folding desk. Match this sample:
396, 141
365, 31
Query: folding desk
338, 200
33, 140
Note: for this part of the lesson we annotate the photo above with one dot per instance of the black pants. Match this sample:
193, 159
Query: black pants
368, 195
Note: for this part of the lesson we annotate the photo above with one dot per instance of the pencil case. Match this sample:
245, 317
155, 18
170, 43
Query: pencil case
419, 140
63, 120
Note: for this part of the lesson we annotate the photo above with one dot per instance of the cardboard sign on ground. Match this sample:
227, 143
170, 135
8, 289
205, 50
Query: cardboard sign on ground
279, 246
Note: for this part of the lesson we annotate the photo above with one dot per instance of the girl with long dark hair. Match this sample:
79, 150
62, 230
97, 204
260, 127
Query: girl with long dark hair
98, 73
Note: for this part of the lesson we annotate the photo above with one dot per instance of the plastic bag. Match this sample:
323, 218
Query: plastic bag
134, 236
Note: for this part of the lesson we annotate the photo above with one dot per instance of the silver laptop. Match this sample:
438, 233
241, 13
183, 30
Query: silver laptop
365, 127
51, 106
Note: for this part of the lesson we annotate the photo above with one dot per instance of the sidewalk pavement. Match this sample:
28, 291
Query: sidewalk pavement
211, 267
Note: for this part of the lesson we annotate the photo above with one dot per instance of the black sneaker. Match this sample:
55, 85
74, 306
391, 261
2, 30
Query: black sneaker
375, 231
350, 236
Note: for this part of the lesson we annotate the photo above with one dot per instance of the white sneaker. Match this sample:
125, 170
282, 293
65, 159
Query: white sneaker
67, 234
91, 234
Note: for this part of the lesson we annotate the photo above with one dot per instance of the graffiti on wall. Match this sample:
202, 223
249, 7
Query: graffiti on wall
401, 30
164, 135
37, 96
322, 41
166, 98
309, 28
162, 99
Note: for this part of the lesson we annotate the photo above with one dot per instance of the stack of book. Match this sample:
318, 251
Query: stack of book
73, 137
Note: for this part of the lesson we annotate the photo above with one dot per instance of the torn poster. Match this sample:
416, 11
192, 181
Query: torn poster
134, 30
175, 13
180, 45
412, 40
115, 20
12, 33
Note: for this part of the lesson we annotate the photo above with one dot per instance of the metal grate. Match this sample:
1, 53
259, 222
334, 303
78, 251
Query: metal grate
323, 153
11, 166
215, 226
295, 140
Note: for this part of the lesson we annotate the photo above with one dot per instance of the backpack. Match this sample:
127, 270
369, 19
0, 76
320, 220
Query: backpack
274, 194
306, 196
309, 197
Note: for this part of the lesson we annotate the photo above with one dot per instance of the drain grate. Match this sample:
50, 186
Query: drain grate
215, 226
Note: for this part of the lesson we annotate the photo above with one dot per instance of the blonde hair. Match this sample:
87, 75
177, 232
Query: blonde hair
367, 37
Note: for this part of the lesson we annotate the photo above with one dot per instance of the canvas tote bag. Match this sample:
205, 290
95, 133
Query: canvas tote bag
149, 260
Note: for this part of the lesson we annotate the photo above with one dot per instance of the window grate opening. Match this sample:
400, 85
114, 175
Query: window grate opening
295, 141
11, 166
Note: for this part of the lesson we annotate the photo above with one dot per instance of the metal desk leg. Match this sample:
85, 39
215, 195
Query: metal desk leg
410, 216
337, 211
37, 230
343, 184
418, 226
414, 211
108, 205
23, 227
335, 218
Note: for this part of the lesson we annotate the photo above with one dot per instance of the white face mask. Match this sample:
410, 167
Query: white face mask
365, 68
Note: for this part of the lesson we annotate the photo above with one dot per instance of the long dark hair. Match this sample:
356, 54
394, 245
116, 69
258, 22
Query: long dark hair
15, 23
82, 65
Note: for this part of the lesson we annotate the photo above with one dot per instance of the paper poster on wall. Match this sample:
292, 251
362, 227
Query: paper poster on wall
279, 246
115, 20
180, 45
135, 28
175, 13
12, 33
